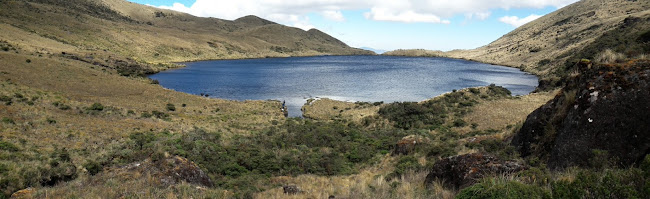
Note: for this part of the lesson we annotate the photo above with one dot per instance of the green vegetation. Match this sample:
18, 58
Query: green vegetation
500, 188
96, 107
433, 113
297, 147
171, 107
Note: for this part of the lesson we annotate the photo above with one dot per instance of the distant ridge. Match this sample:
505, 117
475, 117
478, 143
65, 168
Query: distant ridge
121, 29
378, 51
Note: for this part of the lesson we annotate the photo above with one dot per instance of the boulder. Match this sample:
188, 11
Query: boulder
177, 169
291, 189
170, 171
603, 107
461, 171
408, 144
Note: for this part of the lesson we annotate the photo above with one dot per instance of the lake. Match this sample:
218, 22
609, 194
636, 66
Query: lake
346, 78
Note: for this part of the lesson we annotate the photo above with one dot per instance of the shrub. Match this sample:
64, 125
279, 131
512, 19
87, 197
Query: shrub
5, 99
171, 107
7, 120
142, 139
160, 115
96, 107
93, 167
627, 183
460, 123
28, 61
500, 188
543, 62
8, 146
146, 115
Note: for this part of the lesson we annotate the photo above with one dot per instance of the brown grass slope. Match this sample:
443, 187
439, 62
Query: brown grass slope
153, 35
554, 37
551, 45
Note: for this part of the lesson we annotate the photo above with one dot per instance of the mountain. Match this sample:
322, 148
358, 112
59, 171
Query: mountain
552, 45
378, 51
555, 42
117, 28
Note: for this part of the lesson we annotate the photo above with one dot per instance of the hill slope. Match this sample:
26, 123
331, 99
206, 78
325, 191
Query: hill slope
547, 44
552, 44
148, 34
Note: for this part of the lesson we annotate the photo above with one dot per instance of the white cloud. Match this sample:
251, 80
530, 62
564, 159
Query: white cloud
427, 11
333, 15
408, 16
516, 21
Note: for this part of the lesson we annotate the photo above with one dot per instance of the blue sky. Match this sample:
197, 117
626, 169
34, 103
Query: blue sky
385, 24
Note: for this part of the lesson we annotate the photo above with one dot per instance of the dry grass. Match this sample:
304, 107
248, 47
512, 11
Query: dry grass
609, 56
174, 37
556, 35
415, 53
498, 114
122, 183
327, 109
369, 183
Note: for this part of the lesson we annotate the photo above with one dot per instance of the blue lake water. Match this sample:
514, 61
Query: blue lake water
346, 78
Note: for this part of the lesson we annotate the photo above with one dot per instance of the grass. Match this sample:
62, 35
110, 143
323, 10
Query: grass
80, 126
608, 56
327, 109
498, 114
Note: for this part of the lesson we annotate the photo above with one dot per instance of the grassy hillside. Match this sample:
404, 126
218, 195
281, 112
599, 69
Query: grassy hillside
551, 45
116, 28
78, 120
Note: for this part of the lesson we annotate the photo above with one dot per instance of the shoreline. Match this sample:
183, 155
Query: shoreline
352, 101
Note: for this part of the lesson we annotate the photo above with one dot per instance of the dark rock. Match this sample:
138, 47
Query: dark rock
178, 169
170, 171
408, 144
291, 189
605, 107
464, 170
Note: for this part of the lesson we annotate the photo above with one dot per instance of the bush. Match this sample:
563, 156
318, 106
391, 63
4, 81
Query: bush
7, 120
404, 164
93, 167
5, 99
146, 115
171, 107
499, 188
160, 115
628, 183
8, 146
96, 107
460, 123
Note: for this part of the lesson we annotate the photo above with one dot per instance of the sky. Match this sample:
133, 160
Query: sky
384, 24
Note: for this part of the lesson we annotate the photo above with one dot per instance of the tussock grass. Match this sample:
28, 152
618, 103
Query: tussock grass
498, 114
609, 56
327, 109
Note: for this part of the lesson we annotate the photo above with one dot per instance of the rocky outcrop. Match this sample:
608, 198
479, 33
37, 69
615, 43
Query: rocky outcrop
178, 169
408, 144
603, 107
464, 170
172, 170
291, 189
